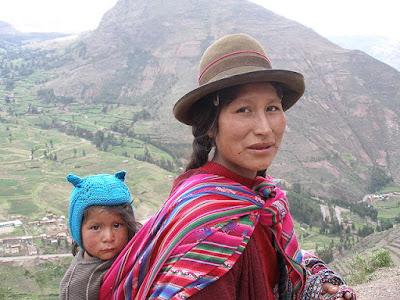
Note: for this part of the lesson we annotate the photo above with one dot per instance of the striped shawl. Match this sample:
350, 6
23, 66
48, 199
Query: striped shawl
198, 235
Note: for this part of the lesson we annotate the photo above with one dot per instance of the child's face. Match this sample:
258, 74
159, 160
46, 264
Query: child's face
104, 233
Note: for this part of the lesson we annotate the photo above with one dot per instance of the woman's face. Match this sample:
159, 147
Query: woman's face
250, 130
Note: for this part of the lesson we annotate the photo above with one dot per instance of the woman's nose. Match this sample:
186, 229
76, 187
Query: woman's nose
261, 124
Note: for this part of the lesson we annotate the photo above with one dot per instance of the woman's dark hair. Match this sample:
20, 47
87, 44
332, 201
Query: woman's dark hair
125, 210
205, 119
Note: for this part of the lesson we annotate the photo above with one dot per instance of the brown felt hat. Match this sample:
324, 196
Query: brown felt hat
232, 60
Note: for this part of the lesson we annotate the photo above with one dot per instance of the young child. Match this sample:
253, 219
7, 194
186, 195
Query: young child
101, 222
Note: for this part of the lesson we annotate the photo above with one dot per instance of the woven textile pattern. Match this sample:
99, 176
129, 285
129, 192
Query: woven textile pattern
198, 235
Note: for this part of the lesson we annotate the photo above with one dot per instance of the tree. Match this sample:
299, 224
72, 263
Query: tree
397, 218
32, 152
46, 94
98, 138
385, 225
365, 230
326, 254
10, 84
378, 180
296, 187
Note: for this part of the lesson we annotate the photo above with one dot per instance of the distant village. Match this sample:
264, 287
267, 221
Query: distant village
370, 199
49, 235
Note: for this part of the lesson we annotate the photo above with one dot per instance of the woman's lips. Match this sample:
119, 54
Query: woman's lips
262, 146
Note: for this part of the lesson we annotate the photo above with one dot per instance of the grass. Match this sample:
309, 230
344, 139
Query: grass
363, 266
29, 185
33, 185
388, 210
310, 238
32, 280
23, 207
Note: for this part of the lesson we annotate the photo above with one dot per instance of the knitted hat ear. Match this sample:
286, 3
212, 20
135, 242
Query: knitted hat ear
120, 175
75, 180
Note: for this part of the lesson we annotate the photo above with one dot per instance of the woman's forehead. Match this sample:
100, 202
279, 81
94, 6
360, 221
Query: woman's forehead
265, 89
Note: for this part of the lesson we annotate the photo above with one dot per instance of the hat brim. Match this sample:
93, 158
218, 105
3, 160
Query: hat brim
292, 84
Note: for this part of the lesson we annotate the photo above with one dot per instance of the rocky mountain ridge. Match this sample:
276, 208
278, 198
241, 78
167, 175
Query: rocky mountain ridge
146, 53
382, 48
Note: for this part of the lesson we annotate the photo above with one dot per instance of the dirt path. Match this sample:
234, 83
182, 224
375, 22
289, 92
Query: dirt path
385, 285
42, 156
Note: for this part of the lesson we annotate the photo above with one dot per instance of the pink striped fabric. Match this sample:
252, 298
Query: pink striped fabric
198, 235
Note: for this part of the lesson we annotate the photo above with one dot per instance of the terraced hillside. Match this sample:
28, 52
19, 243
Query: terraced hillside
389, 239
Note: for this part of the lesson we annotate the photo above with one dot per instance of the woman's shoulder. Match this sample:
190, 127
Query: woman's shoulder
184, 176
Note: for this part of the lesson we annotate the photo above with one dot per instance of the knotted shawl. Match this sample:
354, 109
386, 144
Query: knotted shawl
198, 235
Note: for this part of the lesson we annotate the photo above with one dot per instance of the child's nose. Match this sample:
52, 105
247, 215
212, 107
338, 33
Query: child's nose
108, 235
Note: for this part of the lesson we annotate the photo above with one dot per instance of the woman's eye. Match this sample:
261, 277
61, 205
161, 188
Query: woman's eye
273, 108
243, 110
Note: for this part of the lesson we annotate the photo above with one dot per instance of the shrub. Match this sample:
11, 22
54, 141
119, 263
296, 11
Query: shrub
325, 254
363, 266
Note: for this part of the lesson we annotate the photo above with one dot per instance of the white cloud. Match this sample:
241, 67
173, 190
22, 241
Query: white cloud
341, 17
54, 15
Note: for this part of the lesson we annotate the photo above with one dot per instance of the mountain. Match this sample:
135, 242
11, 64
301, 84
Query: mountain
9, 34
382, 48
343, 132
6, 28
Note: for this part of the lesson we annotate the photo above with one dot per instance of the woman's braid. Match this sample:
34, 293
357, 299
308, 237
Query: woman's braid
201, 148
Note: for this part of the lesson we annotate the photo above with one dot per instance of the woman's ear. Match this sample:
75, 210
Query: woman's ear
211, 133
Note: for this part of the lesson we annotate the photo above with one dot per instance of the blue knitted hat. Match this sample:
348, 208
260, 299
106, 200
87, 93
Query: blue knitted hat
102, 189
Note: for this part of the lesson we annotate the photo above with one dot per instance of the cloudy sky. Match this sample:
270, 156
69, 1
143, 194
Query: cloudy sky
341, 17
327, 17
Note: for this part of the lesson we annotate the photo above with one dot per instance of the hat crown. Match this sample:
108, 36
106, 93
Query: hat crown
234, 43
232, 55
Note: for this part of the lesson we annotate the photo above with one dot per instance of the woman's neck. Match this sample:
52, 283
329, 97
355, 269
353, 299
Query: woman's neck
217, 169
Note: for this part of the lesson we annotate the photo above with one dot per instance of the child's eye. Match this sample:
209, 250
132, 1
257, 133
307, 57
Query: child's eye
95, 227
117, 225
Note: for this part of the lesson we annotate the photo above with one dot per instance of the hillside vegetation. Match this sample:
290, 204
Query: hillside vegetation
102, 103
43, 138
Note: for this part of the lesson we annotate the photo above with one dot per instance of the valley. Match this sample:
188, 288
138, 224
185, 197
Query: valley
102, 102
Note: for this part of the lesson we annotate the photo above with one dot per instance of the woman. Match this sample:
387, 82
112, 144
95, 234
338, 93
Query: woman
226, 232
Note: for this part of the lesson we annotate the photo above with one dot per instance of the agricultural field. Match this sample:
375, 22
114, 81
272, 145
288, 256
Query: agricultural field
36, 155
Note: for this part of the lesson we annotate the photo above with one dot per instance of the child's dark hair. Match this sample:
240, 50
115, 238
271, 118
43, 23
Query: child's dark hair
205, 114
125, 210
